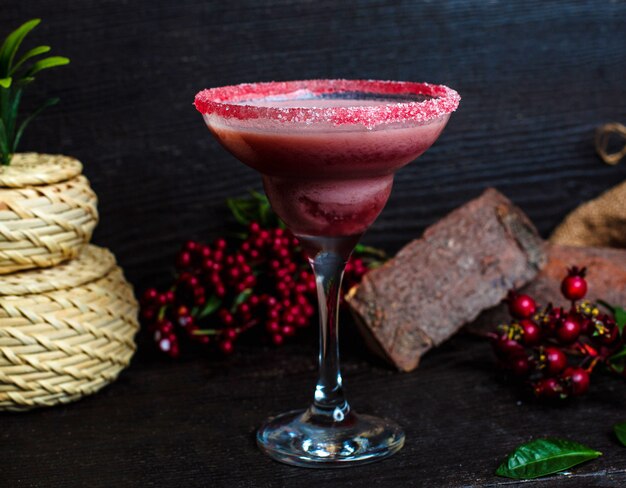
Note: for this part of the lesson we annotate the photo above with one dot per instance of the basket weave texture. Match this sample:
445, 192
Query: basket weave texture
48, 211
65, 332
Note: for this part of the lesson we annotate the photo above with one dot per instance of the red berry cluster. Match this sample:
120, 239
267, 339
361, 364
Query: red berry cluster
225, 289
554, 350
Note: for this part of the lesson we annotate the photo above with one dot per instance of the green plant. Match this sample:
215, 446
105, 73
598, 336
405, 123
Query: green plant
15, 75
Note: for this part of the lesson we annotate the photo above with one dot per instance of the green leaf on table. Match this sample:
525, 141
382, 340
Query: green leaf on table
544, 456
12, 43
211, 305
620, 432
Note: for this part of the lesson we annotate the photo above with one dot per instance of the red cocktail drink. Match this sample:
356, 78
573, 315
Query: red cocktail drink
328, 151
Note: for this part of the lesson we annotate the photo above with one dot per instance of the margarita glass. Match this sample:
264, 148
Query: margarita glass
328, 151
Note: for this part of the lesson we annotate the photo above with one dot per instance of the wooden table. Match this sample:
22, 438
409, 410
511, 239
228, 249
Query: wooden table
536, 79
191, 423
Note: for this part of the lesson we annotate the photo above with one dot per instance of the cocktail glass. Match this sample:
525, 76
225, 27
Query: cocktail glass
328, 151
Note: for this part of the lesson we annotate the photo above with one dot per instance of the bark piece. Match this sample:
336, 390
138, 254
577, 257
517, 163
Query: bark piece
606, 277
462, 265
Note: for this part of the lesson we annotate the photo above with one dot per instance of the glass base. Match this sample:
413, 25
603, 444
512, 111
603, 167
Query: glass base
302, 438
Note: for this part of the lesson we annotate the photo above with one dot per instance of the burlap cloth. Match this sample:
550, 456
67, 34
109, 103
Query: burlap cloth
600, 222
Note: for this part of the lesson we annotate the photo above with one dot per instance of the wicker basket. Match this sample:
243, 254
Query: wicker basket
65, 332
47, 211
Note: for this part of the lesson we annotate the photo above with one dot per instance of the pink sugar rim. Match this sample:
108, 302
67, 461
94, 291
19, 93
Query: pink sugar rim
222, 101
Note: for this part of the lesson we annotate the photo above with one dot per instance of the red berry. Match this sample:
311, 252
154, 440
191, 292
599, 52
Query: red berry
183, 260
574, 286
531, 332
149, 296
577, 379
610, 335
186, 321
556, 360
508, 348
231, 334
273, 326
521, 306
169, 345
190, 246
520, 366
220, 244
226, 346
205, 251
288, 330
548, 388
166, 327
148, 314
568, 330
254, 227
225, 316
277, 339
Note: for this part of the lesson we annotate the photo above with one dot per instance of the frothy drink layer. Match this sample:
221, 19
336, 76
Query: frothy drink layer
323, 180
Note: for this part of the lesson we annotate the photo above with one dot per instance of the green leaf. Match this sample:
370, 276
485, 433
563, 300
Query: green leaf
240, 210
371, 251
265, 213
620, 318
620, 432
6, 82
22, 82
5, 154
544, 456
211, 305
36, 51
239, 299
12, 43
260, 197
621, 354
12, 118
46, 63
18, 135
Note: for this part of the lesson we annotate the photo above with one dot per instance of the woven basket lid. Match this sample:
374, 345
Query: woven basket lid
28, 169
94, 262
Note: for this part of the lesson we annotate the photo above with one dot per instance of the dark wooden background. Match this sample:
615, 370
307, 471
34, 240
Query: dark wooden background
536, 78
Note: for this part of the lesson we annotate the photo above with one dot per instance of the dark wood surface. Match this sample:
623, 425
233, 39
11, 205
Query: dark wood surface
192, 423
536, 79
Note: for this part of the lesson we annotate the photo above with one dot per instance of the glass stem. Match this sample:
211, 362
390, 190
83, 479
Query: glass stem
329, 401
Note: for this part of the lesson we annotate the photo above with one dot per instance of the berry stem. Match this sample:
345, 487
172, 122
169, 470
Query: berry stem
593, 364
